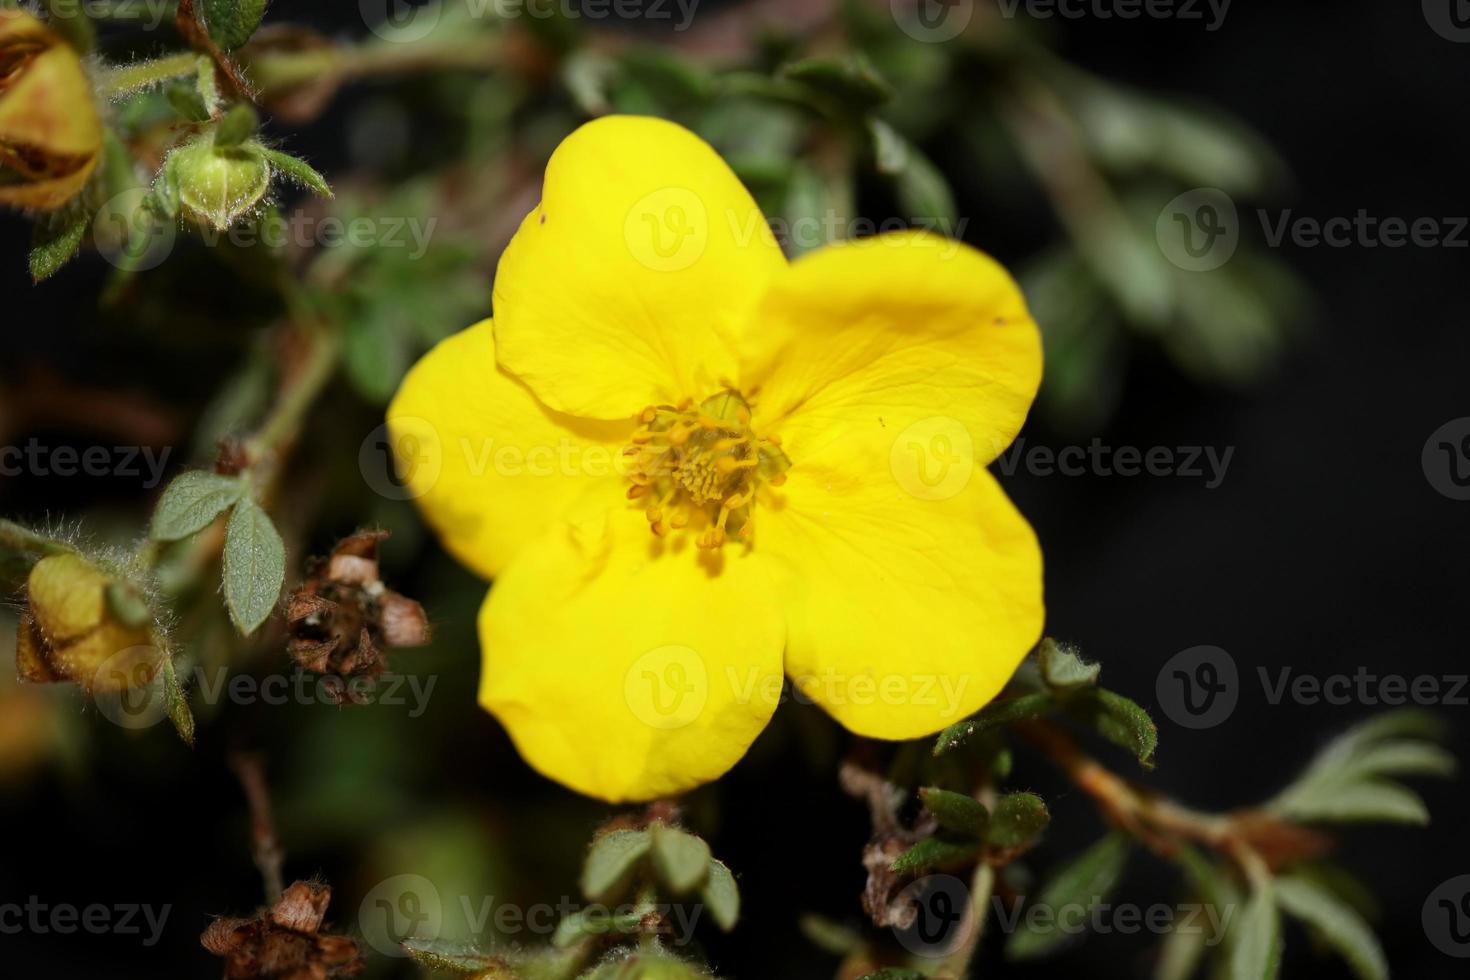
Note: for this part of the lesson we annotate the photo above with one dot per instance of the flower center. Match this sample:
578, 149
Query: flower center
703, 464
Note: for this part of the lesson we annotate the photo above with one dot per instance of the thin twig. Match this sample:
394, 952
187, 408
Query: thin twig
265, 847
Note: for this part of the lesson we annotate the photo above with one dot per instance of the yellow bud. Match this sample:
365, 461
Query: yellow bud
50, 131
68, 632
218, 184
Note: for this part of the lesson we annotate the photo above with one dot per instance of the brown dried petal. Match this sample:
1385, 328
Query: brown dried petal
305, 605
312, 655
302, 907
224, 936
404, 622
352, 570
363, 544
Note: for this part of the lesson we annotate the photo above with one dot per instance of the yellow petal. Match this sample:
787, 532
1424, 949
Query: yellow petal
873, 336
624, 672
490, 466
904, 615
628, 283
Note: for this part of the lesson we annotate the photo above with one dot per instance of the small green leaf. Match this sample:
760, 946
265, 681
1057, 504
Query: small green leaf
1118, 720
956, 811
231, 22
254, 566
177, 701
299, 171
1378, 801
1062, 667
192, 502
1085, 882
56, 239
1255, 939
126, 604
680, 859
237, 125
1181, 953
187, 100
594, 922
851, 82
935, 853
722, 896
611, 862
1018, 819
450, 956
1337, 922
994, 715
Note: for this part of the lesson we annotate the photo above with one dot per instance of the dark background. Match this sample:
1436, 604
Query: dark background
1325, 548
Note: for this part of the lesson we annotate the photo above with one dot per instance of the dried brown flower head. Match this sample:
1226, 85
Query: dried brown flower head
343, 617
285, 941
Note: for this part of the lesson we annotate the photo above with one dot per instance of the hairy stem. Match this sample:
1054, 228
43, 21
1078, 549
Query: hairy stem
127, 79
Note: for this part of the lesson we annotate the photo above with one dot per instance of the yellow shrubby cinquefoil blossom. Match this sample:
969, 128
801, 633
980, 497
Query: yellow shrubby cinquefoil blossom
691, 466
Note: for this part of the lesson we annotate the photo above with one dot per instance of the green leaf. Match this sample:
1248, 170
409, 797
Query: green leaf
1086, 881
1369, 802
192, 502
722, 896
956, 811
1255, 939
680, 859
1118, 720
1336, 921
299, 171
851, 82
237, 126
254, 566
1062, 667
1018, 819
231, 22
56, 239
177, 701
1180, 954
450, 956
935, 853
611, 862
994, 715
187, 100
922, 191
594, 922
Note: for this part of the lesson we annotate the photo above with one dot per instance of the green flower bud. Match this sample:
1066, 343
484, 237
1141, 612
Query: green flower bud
219, 184
70, 631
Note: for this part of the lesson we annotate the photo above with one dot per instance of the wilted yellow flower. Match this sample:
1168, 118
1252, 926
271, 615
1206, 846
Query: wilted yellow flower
69, 633
691, 466
50, 132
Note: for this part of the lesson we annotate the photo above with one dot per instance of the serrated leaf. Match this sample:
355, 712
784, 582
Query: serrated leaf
254, 566
1355, 803
1018, 819
935, 854
299, 171
1255, 939
1118, 720
192, 502
1337, 922
231, 22
994, 715
722, 896
680, 859
611, 861
1084, 882
56, 239
445, 954
1062, 667
956, 811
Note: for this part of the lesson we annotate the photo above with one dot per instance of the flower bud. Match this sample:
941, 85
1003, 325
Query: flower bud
219, 184
50, 131
69, 633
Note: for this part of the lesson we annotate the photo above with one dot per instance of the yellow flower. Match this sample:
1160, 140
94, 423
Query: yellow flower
690, 466
50, 132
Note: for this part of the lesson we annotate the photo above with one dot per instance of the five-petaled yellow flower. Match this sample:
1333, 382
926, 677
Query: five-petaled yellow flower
690, 465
